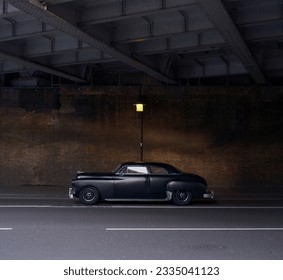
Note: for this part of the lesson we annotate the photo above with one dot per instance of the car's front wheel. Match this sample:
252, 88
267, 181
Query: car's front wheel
182, 198
89, 195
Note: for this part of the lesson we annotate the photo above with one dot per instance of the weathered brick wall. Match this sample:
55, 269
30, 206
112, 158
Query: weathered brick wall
230, 135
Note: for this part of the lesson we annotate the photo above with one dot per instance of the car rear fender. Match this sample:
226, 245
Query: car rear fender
178, 185
194, 187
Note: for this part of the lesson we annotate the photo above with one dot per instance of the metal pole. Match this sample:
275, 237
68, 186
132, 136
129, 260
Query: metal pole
141, 142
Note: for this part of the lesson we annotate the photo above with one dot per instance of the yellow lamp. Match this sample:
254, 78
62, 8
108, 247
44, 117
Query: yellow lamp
139, 107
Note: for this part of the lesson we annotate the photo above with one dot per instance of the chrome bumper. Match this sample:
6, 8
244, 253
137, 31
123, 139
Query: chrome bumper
209, 194
71, 192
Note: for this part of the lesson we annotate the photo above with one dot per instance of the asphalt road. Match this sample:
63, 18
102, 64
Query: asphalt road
64, 229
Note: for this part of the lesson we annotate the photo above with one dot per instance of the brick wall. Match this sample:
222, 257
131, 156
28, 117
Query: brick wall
230, 135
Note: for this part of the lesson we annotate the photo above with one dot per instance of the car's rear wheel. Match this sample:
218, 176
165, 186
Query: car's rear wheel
89, 195
182, 198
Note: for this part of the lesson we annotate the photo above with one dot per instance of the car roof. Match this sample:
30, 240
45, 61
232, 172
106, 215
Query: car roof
144, 163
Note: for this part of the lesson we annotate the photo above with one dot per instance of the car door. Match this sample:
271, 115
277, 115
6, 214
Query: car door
131, 183
158, 180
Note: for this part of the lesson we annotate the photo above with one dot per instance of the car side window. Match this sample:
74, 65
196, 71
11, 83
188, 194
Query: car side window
158, 170
134, 170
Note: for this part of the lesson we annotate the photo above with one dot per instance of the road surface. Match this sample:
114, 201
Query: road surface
56, 229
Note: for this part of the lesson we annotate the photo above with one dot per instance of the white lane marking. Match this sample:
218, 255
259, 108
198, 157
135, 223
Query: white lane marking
6, 228
195, 229
141, 206
28, 206
191, 207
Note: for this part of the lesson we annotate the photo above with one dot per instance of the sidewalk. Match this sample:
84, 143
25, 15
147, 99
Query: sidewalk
35, 191
249, 193
221, 193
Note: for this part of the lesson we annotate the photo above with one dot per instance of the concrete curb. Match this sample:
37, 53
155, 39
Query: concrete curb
221, 193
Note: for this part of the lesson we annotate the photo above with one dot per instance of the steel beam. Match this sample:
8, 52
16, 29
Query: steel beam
92, 15
55, 2
61, 24
217, 13
183, 43
31, 65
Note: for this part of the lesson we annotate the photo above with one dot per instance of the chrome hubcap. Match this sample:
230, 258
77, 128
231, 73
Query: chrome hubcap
182, 195
89, 195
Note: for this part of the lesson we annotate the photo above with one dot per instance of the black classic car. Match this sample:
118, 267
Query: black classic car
140, 181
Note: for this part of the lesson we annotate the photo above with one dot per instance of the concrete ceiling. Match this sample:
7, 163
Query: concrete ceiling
96, 42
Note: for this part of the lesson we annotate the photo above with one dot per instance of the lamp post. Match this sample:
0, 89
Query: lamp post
139, 109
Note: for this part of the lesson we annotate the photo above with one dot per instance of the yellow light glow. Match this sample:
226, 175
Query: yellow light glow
139, 107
